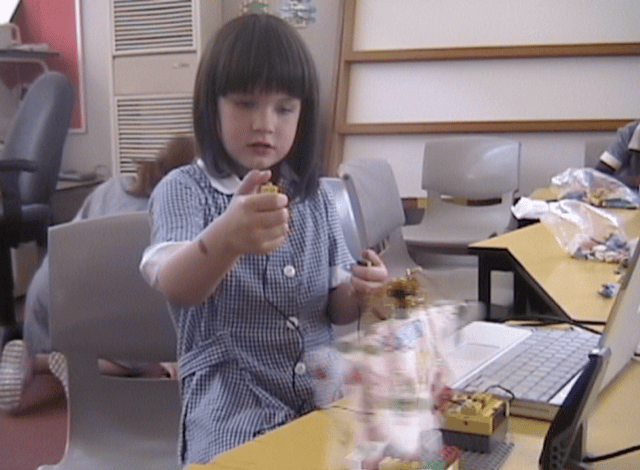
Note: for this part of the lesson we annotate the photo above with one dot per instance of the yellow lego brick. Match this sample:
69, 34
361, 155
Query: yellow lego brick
269, 187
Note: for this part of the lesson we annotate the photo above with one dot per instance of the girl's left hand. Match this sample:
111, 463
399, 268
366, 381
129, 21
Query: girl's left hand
367, 279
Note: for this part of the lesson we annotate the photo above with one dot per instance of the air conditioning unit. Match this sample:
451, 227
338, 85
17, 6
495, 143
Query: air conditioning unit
156, 49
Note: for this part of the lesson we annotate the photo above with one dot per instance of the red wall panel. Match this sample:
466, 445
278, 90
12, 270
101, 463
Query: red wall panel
54, 23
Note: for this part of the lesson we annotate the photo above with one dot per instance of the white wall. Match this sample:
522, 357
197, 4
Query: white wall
543, 154
84, 151
491, 90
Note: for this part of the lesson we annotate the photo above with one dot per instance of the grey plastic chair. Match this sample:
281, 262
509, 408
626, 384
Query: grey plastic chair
338, 190
471, 183
593, 148
29, 167
102, 308
378, 212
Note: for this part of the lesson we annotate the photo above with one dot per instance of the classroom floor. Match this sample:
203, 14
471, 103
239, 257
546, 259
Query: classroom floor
35, 437
38, 435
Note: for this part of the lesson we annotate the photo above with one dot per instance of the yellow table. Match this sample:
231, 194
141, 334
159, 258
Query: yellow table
569, 286
322, 439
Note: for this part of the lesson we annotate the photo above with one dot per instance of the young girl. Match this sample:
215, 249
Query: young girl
254, 280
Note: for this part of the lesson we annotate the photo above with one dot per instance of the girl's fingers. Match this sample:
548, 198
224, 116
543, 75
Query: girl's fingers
373, 257
252, 182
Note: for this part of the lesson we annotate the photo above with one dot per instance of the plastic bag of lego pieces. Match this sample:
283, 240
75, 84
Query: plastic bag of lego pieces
587, 232
595, 188
397, 377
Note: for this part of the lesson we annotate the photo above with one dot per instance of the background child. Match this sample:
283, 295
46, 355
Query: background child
253, 280
622, 158
22, 359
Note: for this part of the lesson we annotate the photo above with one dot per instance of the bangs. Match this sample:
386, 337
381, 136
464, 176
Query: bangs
264, 58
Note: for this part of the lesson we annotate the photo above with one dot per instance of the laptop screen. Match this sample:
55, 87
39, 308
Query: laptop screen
8, 9
565, 439
621, 333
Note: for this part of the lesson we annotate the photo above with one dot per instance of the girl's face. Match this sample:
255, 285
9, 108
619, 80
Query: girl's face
258, 129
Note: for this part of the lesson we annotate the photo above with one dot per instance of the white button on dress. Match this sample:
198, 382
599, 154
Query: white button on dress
293, 323
289, 271
300, 368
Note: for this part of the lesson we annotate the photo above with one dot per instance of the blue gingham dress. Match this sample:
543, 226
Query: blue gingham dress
243, 353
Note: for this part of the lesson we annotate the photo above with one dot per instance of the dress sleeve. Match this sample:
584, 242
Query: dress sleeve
176, 209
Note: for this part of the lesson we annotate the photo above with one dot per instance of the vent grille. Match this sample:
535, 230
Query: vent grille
146, 123
142, 26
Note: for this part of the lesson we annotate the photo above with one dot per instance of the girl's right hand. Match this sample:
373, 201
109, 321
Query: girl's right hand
256, 223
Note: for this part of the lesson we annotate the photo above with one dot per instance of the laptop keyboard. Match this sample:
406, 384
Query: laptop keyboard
538, 367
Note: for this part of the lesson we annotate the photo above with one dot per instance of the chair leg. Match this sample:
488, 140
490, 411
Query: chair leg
7, 312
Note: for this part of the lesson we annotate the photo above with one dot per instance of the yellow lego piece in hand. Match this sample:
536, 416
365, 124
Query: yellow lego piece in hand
269, 187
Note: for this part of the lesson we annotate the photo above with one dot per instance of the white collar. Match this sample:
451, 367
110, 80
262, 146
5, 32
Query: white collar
225, 184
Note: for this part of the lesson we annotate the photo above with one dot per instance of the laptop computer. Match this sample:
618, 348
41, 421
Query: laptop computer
478, 347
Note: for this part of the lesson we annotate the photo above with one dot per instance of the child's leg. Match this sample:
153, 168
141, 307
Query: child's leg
149, 370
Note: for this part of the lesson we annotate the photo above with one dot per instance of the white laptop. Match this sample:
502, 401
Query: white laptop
482, 346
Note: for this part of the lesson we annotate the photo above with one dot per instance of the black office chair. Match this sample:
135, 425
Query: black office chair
29, 167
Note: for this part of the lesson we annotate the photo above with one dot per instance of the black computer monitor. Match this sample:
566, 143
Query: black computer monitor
564, 444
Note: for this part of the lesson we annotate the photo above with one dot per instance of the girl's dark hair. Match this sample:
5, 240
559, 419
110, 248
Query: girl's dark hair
258, 53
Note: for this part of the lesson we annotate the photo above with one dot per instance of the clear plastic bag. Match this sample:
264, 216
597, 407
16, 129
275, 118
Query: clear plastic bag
587, 232
397, 375
595, 188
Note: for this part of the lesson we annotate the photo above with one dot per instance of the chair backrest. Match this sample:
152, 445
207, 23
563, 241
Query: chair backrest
38, 132
99, 301
470, 167
338, 191
378, 210
102, 308
375, 198
593, 148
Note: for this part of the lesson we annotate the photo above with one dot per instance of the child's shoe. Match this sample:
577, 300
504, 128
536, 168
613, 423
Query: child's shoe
15, 371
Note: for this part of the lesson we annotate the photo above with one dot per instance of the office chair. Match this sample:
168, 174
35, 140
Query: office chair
102, 308
471, 183
29, 167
